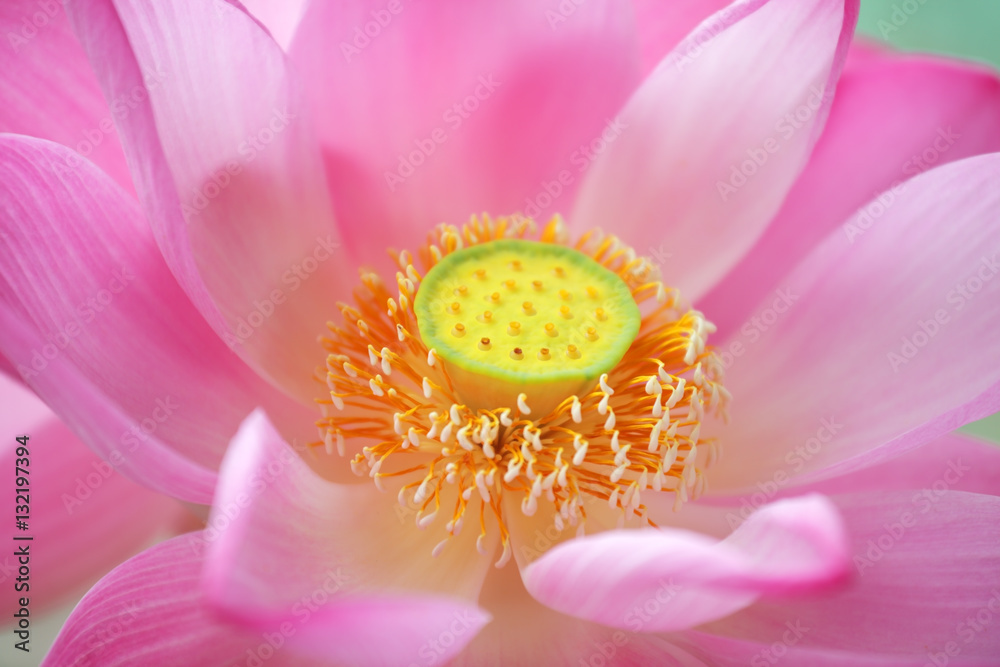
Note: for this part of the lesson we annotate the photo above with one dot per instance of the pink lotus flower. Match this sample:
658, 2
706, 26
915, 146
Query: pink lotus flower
159, 290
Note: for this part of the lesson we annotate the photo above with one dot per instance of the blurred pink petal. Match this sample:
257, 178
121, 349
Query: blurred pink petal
790, 545
759, 84
271, 511
893, 117
150, 611
280, 18
112, 343
237, 200
917, 309
467, 126
51, 93
925, 562
85, 518
663, 25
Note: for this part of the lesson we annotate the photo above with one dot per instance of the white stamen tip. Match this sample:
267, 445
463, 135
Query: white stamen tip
505, 556
426, 520
522, 404
439, 548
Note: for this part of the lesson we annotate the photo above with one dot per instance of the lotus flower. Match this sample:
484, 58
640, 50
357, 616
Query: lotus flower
534, 446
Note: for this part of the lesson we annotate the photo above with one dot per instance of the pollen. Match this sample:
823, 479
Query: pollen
471, 419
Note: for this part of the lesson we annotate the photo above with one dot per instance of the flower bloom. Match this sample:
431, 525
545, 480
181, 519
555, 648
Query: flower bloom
716, 432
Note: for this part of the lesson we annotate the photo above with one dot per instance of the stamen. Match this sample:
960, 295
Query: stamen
452, 387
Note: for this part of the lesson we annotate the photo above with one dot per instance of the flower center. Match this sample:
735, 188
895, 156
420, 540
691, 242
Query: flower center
524, 320
522, 377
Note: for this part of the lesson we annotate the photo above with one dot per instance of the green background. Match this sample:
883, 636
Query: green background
964, 28
968, 29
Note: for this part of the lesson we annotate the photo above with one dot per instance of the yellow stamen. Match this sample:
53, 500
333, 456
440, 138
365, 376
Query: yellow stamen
634, 431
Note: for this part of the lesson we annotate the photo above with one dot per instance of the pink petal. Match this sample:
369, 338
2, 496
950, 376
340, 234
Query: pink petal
726, 652
280, 18
84, 517
547, 85
787, 546
272, 512
227, 170
97, 325
663, 25
7, 369
150, 611
49, 89
838, 383
526, 632
927, 575
970, 465
754, 81
104, 426
893, 117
